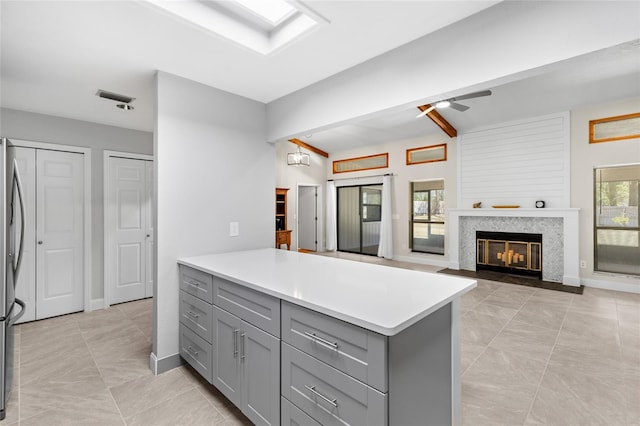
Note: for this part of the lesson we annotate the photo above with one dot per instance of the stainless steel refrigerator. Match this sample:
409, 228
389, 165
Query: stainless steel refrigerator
11, 240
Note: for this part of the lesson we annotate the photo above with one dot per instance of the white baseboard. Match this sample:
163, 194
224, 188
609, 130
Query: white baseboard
611, 285
96, 304
423, 260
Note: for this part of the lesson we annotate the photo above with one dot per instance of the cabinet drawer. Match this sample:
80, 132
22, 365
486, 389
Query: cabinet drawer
358, 352
257, 309
197, 315
329, 396
196, 351
293, 416
197, 283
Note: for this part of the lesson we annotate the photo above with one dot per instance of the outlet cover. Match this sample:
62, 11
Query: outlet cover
234, 229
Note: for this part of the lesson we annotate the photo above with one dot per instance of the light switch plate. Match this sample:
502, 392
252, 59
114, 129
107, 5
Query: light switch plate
234, 229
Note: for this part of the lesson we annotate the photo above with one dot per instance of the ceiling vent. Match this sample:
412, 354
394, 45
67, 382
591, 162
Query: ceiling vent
114, 96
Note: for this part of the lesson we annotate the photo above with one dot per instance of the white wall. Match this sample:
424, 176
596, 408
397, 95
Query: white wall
584, 158
214, 167
516, 163
292, 176
403, 175
64, 131
506, 42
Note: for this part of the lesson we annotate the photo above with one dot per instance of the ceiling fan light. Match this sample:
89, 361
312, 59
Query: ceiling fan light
443, 104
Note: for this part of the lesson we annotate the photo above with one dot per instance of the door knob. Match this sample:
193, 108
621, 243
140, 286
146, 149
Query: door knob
39, 242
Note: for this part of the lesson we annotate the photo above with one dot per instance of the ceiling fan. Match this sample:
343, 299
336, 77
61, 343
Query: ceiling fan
451, 102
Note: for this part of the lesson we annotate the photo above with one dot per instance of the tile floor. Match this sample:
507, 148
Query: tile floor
93, 369
529, 357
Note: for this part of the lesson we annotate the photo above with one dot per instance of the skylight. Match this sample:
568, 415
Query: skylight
263, 26
273, 11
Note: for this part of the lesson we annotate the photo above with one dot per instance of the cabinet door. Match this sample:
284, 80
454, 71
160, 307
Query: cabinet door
260, 358
226, 359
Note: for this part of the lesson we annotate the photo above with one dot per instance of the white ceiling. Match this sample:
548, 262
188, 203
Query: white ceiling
57, 54
599, 77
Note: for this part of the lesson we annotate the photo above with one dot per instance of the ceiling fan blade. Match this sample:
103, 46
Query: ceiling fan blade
458, 107
472, 95
426, 111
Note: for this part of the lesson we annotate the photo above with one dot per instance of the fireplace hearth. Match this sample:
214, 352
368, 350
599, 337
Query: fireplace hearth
509, 252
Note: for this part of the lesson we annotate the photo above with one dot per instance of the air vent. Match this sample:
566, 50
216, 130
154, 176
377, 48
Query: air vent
114, 96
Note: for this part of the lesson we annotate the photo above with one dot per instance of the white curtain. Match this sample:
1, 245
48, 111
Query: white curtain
385, 248
332, 217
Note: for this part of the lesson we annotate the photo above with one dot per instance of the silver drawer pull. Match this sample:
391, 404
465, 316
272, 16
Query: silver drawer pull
193, 283
313, 390
235, 343
333, 345
242, 354
193, 315
192, 351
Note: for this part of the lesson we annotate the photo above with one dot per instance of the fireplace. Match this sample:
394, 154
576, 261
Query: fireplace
509, 252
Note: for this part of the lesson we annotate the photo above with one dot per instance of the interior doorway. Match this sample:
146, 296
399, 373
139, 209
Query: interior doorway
359, 218
129, 237
308, 217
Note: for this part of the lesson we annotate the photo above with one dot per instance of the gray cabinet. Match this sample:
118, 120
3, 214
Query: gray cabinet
226, 375
247, 368
324, 371
293, 416
353, 350
329, 396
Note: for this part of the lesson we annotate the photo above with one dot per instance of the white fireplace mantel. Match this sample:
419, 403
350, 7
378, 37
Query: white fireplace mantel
571, 255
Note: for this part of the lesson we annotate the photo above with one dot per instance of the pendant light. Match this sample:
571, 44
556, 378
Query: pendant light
298, 158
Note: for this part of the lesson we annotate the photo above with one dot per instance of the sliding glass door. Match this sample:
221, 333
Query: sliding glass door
359, 215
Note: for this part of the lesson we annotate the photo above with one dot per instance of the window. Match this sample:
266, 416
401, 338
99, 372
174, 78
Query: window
616, 220
371, 205
427, 220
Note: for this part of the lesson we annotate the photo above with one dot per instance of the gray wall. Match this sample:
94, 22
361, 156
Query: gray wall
49, 129
214, 167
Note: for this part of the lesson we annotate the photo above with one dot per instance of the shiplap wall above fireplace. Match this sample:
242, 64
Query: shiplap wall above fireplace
516, 163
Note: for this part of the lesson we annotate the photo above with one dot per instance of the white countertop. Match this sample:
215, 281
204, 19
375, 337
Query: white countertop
379, 298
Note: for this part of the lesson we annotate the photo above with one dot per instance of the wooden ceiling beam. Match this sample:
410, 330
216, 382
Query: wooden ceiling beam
435, 116
309, 147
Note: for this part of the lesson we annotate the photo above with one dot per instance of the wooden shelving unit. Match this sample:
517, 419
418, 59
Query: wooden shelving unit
283, 235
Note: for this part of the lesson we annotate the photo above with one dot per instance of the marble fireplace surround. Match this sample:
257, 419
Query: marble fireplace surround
559, 229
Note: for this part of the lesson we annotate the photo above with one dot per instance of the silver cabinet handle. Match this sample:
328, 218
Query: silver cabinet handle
242, 354
333, 345
193, 315
193, 283
235, 343
313, 390
192, 351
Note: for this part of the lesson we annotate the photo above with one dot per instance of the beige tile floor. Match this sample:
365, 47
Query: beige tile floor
529, 357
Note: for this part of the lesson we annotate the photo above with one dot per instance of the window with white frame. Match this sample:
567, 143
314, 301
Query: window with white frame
616, 229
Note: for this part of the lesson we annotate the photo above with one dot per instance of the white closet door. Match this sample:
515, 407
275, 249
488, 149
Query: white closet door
26, 284
59, 233
127, 228
150, 227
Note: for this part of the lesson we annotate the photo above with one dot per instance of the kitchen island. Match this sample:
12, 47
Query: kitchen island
294, 338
